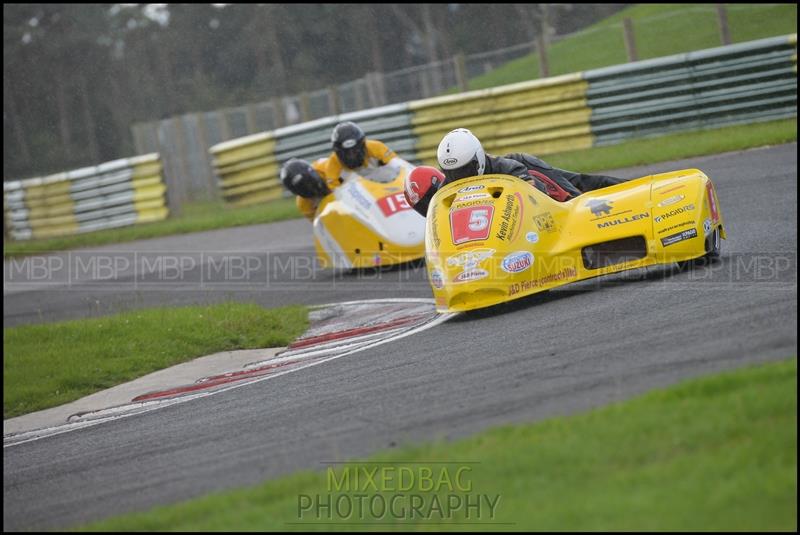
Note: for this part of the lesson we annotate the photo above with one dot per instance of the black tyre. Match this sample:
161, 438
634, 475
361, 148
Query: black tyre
713, 247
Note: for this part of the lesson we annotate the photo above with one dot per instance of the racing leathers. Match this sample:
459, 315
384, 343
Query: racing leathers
334, 172
530, 168
573, 183
308, 206
377, 156
527, 168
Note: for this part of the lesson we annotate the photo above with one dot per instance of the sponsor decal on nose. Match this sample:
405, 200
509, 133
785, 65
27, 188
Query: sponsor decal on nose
517, 262
670, 200
437, 279
468, 189
468, 276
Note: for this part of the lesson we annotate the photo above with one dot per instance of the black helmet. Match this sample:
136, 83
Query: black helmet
349, 144
301, 179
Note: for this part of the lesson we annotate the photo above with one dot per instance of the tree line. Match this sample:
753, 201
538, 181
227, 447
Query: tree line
77, 76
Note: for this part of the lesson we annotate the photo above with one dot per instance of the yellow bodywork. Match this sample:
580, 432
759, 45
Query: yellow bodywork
365, 224
495, 238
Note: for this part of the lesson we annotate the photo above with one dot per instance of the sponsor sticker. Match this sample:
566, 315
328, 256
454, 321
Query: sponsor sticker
483, 202
355, 192
517, 262
474, 187
679, 237
600, 207
671, 200
532, 237
469, 276
509, 218
523, 286
707, 227
622, 221
437, 279
672, 213
472, 197
470, 259
677, 225
545, 222
450, 161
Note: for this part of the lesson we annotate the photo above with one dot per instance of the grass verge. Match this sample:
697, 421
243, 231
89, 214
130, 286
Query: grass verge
676, 146
49, 365
716, 453
659, 29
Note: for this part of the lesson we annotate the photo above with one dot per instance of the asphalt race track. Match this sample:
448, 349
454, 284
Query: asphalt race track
581, 346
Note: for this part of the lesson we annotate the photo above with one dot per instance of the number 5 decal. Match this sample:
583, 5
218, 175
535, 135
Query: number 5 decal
471, 224
478, 220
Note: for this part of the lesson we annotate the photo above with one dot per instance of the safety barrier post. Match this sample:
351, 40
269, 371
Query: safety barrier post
541, 48
630, 39
724, 30
461, 71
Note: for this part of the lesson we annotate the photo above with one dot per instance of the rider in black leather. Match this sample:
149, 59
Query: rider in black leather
573, 183
461, 155
519, 165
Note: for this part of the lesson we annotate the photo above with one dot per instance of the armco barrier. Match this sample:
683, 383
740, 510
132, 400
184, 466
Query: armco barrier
113, 194
739, 83
248, 167
733, 84
550, 115
543, 116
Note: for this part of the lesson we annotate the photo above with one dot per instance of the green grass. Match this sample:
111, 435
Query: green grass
195, 217
716, 453
659, 29
674, 146
49, 365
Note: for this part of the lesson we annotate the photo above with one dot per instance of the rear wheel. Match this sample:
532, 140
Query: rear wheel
713, 247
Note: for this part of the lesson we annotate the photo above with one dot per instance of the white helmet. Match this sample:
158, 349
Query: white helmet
461, 155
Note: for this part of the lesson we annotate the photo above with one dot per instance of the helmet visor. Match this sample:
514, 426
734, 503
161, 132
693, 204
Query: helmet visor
352, 157
470, 169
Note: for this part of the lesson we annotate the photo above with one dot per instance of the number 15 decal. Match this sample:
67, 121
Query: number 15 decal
471, 224
392, 204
